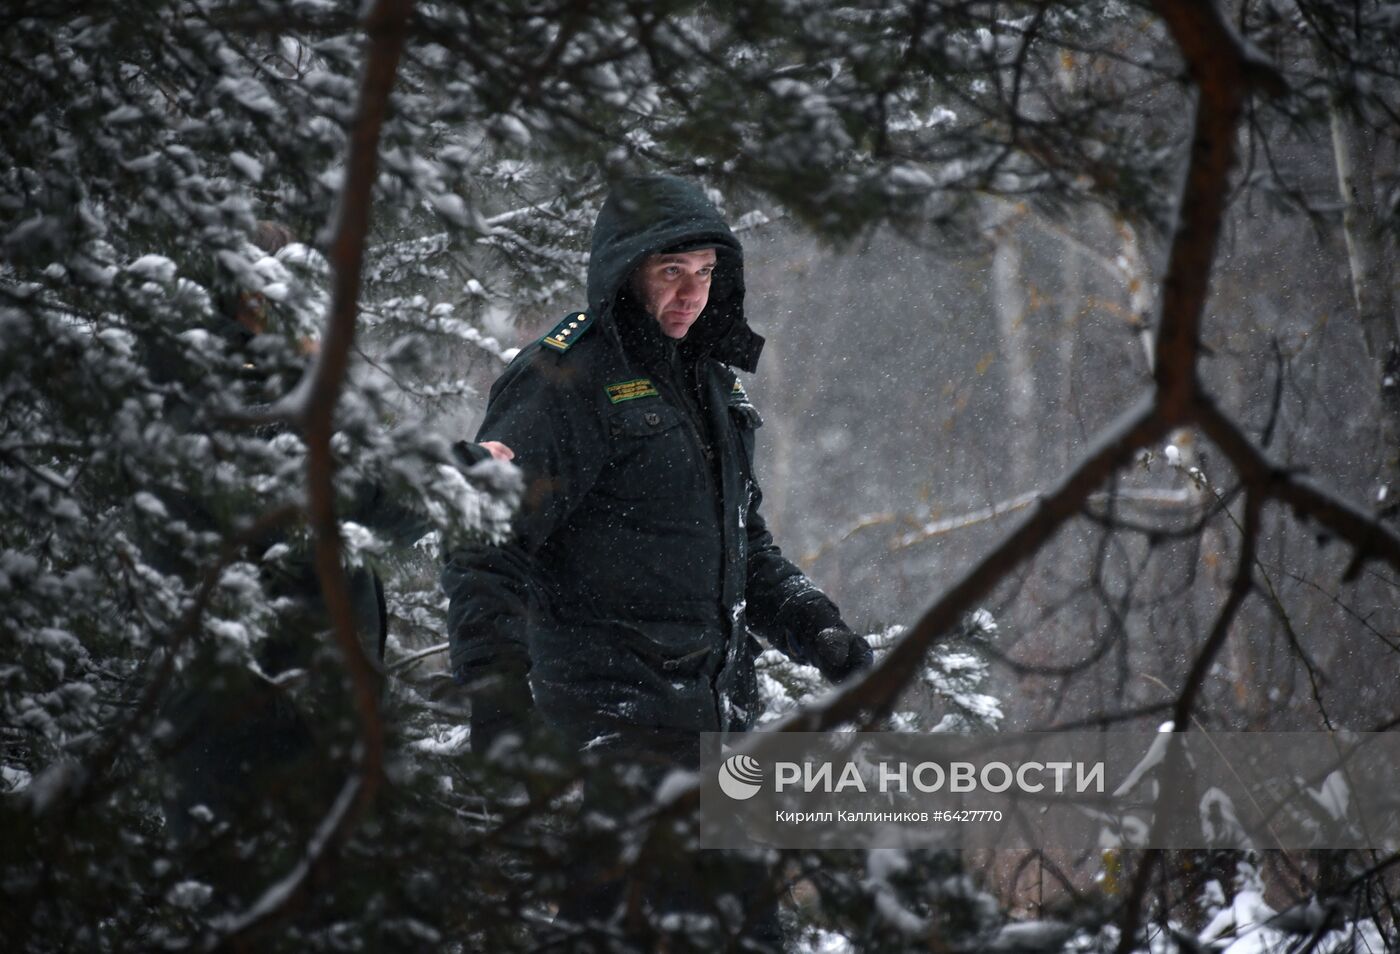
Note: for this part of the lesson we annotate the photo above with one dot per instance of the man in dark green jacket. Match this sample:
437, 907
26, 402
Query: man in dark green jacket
640, 562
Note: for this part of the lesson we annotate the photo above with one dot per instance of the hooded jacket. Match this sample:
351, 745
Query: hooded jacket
640, 560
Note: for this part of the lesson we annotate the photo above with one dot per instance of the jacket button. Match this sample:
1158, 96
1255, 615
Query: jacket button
733, 554
653, 418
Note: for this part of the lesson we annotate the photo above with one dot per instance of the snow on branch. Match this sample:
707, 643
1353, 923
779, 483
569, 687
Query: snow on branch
283, 894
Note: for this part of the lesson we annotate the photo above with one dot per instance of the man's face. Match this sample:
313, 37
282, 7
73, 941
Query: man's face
674, 288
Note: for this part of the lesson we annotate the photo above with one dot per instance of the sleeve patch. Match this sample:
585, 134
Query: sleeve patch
738, 397
567, 331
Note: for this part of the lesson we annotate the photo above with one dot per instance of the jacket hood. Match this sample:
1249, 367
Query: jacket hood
646, 215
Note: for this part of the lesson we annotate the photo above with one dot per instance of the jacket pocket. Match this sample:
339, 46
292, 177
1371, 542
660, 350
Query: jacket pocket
648, 419
671, 647
652, 456
587, 677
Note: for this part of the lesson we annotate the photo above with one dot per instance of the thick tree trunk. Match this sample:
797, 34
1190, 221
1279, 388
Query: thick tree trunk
1372, 287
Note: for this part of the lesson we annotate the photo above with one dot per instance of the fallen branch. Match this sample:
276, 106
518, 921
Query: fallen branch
938, 528
409, 660
1166, 497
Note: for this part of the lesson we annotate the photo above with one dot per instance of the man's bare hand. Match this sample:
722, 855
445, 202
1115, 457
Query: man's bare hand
498, 450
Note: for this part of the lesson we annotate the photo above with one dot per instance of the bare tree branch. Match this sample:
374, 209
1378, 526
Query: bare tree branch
1131, 917
1369, 537
386, 26
1216, 64
877, 692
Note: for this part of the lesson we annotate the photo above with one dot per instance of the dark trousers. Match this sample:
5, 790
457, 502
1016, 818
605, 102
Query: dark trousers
674, 896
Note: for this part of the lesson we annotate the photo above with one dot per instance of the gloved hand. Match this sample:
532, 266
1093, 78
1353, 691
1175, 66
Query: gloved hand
840, 652
502, 704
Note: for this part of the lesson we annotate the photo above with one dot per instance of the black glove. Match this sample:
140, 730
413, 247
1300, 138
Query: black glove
502, 704
840, 652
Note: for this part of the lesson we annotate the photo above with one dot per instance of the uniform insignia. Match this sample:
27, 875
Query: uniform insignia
630, 390
742, 407
568, 331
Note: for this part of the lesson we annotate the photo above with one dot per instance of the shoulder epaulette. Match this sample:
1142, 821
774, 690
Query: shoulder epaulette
568, 331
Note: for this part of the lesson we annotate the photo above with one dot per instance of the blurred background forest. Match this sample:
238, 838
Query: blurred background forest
1081, 314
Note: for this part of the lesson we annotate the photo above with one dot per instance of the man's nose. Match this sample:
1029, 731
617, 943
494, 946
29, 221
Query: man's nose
690, 288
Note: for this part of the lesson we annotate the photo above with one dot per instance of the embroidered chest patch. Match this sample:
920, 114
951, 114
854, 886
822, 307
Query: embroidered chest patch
631, 390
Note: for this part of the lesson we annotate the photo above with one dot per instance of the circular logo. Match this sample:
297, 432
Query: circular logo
740, 777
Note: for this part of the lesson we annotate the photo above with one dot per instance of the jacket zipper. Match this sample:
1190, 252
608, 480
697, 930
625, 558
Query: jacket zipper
675, 383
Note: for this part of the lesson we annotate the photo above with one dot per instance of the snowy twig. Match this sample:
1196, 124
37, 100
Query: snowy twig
866, 522
409, 660
41, 474
1105, 719
936, 528
280, 895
